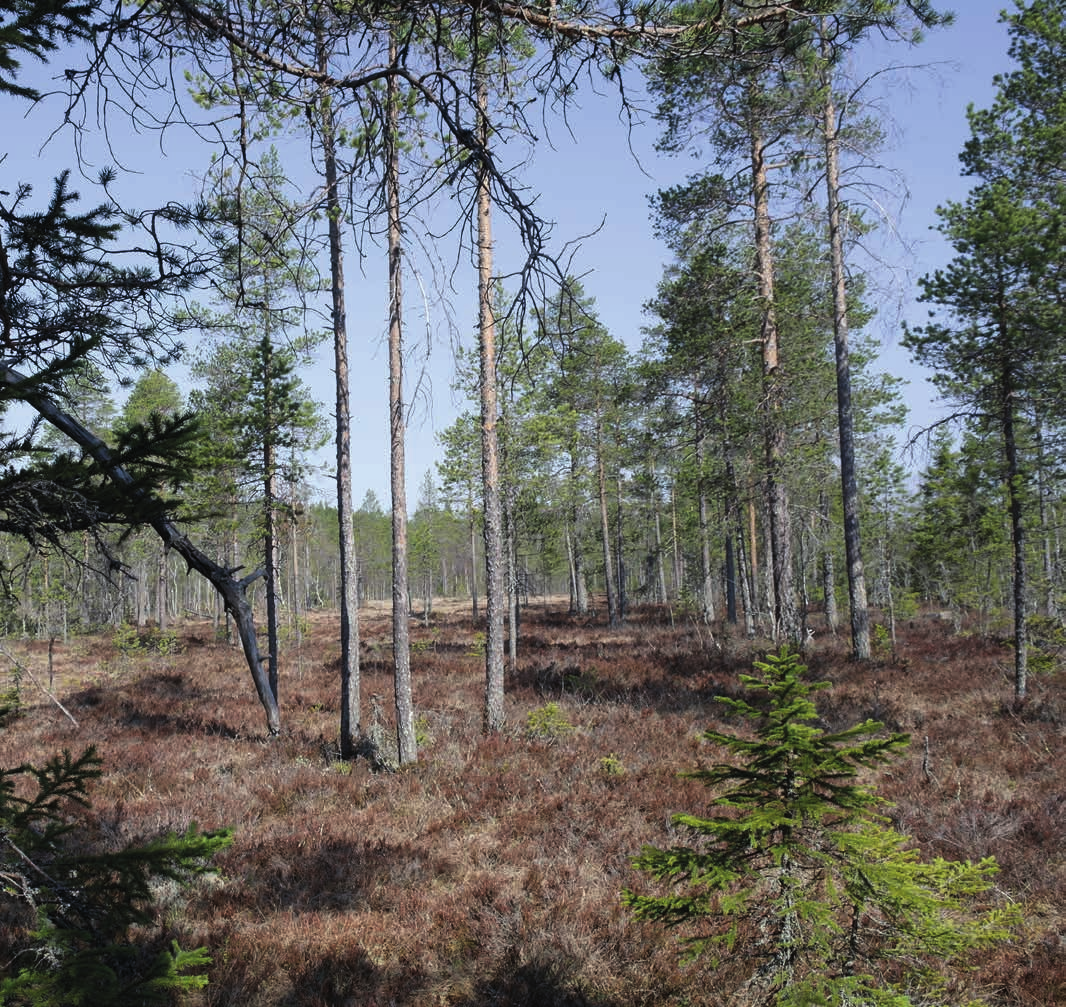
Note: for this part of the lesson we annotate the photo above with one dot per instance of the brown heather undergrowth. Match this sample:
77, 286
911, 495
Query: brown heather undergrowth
490, 872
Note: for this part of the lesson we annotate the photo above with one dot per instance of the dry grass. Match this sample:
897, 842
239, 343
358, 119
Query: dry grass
490, 872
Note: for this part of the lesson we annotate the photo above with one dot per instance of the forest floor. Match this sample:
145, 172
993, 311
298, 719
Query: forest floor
490, 871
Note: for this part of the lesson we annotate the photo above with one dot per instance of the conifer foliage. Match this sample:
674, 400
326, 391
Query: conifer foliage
796, 872
79, 918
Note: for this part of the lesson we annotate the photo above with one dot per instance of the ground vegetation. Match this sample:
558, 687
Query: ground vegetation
491, 870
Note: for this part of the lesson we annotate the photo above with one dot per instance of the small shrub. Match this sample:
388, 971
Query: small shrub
11, 697
796, 873
1047, 645
130, 643
547, 723
611, 767
164, 643
126, 640
423, 735
477, 646
582, 682
907, 605
426, 645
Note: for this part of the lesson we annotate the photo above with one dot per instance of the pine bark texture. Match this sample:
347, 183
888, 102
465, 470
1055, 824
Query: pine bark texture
1015, 480
613, 618
849, 484
786, 621
495, 601
270, 539
350, 727
406, 747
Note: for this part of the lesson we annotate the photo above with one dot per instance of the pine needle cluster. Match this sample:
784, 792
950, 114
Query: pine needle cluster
82, 918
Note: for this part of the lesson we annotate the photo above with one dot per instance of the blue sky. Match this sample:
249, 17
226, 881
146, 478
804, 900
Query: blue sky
595, 172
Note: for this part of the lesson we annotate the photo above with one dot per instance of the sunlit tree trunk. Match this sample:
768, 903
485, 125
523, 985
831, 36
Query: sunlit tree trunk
473, 556
828, 571
579, 595
706, 593
1015, 493
860, 616
619, 549
270, 493
407, 748
660, 559
513, 600
613, 617
495, 600
786, 621
350, 728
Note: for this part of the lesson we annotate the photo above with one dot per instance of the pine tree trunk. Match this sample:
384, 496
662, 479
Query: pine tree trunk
660, 559
161, 590
473, 557
732, 506
579, 584
348, 597
490, 461
620, 556
706, 595
678, 557
270, 539
829, 593
786, 621
1046, 553
860, 616
270, 555
407, 748
605, 531
752, 566
296, 601
512, 582
1015, 491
